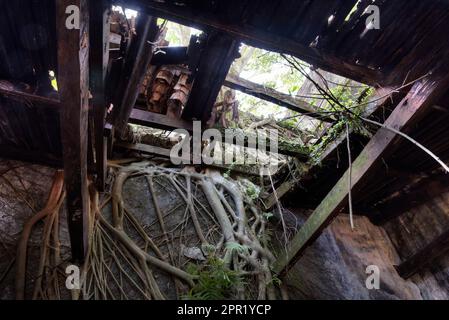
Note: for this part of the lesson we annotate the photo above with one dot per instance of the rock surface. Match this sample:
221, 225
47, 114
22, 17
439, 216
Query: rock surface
334, 267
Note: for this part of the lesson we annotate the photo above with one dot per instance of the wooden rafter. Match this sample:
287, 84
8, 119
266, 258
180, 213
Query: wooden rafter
424, 257
258, 38
385, 97
158, 121
10, 90
276, 97
418, 190
73, 82
420, 98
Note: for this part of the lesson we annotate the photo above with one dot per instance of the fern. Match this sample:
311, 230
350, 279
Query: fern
215, 281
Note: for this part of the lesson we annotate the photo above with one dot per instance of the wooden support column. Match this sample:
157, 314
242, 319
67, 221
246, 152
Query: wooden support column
420, 98
98, 64
436, 248
136, 65
73, 83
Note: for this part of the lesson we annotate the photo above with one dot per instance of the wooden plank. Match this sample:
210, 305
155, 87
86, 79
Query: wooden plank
10, 90
420, 98
136, 65
159, 121
73, 82
424, 258
163, 152
216, 59
98, 64
260, 38
276, 97
331, 149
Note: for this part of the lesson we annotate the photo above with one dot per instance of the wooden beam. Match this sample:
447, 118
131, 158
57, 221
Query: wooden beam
11, 90
424, 257
14, 153
158, 121
331, 149
98, 64
276, 97
260, 38
73, 82
420, 98
134, 70
216, 59
414, 194
163, 152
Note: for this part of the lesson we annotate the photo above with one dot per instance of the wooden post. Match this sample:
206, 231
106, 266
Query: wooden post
420, 97
98, 63
73, 83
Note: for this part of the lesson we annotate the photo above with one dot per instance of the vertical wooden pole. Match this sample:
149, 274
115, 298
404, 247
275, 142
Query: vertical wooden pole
73, 83
99, 14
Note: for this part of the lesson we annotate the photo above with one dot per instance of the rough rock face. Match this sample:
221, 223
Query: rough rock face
334, 267
414, 229
24, 190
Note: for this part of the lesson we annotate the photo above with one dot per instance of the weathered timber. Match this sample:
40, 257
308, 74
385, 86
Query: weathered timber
420, 98
12, 90
216, 59
329, 152
155, 120
270, 201
276, 97
423, 258
98, 65
415, 193
14, 153
260, 38
165, 153
158, 121
136, 64
73, 82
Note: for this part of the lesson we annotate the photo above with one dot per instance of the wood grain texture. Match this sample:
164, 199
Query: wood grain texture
420, 97
73, 81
